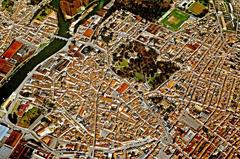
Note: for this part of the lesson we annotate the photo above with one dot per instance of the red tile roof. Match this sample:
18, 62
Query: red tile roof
122, 88
22, 109
13, 49
14, 137
88, 32
101, 12
5, 66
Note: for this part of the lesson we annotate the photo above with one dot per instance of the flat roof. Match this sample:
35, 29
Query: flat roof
3, 131
5, 151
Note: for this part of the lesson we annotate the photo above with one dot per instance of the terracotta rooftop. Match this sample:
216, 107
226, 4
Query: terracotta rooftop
88, 33
13, 49
5, 66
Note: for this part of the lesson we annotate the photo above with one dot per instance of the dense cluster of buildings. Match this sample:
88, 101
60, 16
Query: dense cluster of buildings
88, 111
15, 145
71, 8
228, 14
20, 38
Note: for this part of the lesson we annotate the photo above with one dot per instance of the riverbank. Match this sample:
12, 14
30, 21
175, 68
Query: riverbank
53, 47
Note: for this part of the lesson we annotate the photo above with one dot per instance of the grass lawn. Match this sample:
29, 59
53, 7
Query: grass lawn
196, 8
15, 108
139, 76
175, 19
122, 64
152, 80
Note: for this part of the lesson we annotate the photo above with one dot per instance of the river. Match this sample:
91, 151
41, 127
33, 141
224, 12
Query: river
54, 46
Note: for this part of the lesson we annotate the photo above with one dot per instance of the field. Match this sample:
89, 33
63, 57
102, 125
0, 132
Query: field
196, 8
175, 19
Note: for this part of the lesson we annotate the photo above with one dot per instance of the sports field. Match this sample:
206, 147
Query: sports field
175, 19
196, 8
